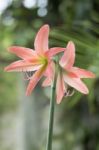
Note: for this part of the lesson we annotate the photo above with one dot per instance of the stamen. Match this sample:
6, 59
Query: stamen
69, 92
27, 75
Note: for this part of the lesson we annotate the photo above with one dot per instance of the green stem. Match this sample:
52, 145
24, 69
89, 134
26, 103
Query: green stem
51, 117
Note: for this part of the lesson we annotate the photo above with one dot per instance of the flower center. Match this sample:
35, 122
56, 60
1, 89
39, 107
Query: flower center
43, 60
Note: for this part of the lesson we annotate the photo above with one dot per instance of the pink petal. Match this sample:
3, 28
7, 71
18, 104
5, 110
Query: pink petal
47, 82
50, 71
76, 83
68, 58
60, 88
41, 40
55, 50
22, 65
72, 74
22, 52
82, 73
34, 80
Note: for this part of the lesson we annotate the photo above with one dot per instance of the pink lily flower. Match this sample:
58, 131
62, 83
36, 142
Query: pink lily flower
68, 75
38, 60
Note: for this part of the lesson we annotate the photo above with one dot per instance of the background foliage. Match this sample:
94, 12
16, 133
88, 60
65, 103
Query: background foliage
77, 117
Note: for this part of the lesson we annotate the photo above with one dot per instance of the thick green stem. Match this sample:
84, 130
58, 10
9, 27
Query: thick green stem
51, 117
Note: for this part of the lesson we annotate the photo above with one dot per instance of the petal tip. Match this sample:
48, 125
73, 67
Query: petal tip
28, 93
45, 27
71, 42
59, 99
93, 75
9, 49
6, 69
71, 45
86, 91
58, 102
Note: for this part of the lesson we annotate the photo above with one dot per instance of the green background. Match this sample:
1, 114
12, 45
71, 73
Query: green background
24, 120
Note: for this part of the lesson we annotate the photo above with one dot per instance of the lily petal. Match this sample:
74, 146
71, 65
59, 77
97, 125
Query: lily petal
82, 73
72, 75
22, 65
68, 58
22, 52
34, 80
41, 40
60, 89
47, 82
50, 71
76, 83
55, 50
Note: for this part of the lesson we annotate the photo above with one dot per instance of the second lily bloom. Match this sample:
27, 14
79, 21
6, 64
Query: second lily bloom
68, 75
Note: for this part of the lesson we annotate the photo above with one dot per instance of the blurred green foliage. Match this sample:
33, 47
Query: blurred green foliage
69, 20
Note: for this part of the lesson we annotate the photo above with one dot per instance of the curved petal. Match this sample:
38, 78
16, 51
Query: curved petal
68, 58
55, 50
49, 73
41, 40
60, 89
76, 83
22, 52
47, 82
82, 73
34, 80
22, 65
50, 70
